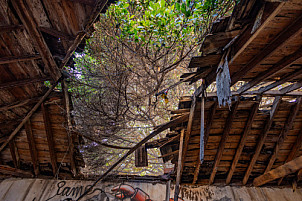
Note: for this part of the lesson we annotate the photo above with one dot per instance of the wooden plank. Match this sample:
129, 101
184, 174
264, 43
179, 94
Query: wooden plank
32, 147
15, 59
262, 138
4, 169
224, 138
9, 28
282, 37
283, 134
57, 34
281, 171
14, 154
85, 2
291, 87
294, 151
19, 104
30, 25
179, 165
50, 140
26, 118
71, 135
19, 83
246, 131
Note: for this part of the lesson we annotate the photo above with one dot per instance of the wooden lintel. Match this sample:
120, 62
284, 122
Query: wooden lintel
179, 164
281, 171
9, 28
294, 151
30, 25
283, 134
19, 104
240, 147
50, 139
7, 170
262, 138
19, 83
282, 37
14, 59
57, 34
14, 154
224, 138
32, 147
206, 137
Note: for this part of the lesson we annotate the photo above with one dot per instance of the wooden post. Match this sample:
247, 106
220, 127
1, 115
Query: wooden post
14, 154
176, 192
201, 143
168, 188
32, 147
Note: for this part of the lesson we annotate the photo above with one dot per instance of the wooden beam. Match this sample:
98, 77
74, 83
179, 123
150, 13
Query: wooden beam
29, 114
50, 140
70, 133
30, 25
282, 37
281, 171
19, 104
262, 138
15, 59
294, 152
19, 83
206, 137
7, 170
32, 147
179, 165
10, 28
283, 134
57, 34
291, 88
224, 138
14, 154
240, 147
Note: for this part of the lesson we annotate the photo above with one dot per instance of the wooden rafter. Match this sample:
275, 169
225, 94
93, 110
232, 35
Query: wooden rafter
50, 139
283, 134
19, 104
14, 154
240, 147
291, 88
262, 138
31, 27
179, 165
32, 147
4, 169
206, 137
294, 151
224, 138
57, 34
9, 28
14, 59
281, 171
282, 37
19, 83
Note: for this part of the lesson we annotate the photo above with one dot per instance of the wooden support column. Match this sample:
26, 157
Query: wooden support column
281, 171
224, 138
50, 140
240, 147
262, 138
30, 25
14, 153
206, 137
32, 147
178, 176
294, 152
71, 134
14, 59
283, 134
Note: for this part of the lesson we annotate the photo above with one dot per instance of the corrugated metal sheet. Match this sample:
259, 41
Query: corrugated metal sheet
38, 189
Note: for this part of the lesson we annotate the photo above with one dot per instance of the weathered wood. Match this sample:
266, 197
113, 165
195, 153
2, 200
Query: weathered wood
19, 83
19, 104
32, 147
282, 37
141, 157
4, 169
294, 151
281, 171
291, 87
246, 131
283, 134
15, 59
71, 135
31, 27
224, 138
50, 140
86, 2
26, 118
179, 165
14, 154
262, 138
56, 33
9, 28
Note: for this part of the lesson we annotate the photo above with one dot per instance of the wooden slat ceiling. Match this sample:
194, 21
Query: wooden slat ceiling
37, 38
